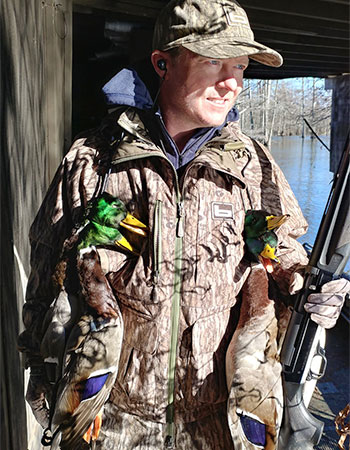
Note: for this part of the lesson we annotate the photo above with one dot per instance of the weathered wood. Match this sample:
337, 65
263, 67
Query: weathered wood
57, 46
336, 12
35, 119
138, 8
340, 117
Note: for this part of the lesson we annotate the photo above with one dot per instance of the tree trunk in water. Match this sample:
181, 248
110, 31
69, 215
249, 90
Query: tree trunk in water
303, 110
250, 107
272, 116
267, 89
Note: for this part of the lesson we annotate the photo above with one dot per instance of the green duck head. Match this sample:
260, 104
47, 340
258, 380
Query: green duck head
258, 222
105, 216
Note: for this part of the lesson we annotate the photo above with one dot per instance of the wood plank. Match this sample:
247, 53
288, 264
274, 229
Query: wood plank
338, 13
140, 9
312, 59
340, 118
292, 29
319, 53
33, 118
342, 2
308, 23
292, 39
57, 67
301, 46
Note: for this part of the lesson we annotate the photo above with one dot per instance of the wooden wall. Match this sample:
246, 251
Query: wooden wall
340, 124
35, 129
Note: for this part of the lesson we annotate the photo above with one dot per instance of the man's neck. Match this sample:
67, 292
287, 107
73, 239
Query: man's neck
181, 138
178, 131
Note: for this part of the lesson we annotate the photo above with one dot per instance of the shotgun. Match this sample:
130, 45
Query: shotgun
330, 253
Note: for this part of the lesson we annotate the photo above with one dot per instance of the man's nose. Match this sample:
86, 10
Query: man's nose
229, 83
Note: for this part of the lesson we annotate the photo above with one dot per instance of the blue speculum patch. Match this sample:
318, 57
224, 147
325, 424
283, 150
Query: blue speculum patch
93, 385
254, 430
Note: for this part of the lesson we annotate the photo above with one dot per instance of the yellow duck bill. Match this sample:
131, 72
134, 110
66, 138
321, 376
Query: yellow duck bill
269, 253
134, 225
276, 221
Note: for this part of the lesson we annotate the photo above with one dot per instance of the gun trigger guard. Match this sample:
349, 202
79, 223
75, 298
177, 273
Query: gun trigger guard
322, 353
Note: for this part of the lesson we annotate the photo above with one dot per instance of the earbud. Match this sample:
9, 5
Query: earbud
161, 64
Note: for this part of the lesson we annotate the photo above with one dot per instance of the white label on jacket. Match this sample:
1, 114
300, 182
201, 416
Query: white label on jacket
221, 210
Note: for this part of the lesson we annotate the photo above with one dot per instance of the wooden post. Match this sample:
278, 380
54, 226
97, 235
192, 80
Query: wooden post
340, 116
35, 120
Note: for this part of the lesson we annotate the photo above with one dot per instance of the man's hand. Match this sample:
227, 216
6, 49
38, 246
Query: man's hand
36, 397
326, 305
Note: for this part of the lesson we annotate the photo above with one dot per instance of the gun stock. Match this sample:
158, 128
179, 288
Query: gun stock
330, 253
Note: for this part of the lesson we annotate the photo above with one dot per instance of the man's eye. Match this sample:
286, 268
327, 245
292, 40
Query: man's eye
214, 62
241, 66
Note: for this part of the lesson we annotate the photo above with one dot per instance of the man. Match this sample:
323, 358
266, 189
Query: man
182, 166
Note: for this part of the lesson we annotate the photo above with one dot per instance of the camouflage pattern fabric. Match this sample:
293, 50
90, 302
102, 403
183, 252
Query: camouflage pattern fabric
210, 28
124, 431
229, 175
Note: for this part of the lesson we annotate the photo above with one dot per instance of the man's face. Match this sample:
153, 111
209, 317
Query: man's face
199, 92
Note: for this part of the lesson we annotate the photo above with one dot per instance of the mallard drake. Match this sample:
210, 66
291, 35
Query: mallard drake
93, 348
92, 352
260, 239
90, 361
104, 218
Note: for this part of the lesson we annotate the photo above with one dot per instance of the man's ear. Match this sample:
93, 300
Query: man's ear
160, 62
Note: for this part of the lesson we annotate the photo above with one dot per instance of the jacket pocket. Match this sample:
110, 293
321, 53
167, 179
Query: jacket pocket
139, 362
208, 357
136, 328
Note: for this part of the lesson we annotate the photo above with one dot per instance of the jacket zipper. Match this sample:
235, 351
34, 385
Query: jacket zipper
174, 331
157, 249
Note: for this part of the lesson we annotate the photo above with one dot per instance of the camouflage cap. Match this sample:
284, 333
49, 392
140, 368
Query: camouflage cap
210, 28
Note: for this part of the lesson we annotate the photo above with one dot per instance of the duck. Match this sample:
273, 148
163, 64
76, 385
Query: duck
90, 362
260, 238
92, 350
103, 219
92, 353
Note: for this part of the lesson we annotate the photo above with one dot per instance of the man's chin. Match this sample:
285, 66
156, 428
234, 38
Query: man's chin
215, 121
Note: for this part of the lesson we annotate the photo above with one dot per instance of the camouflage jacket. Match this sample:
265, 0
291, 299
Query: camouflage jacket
177, 297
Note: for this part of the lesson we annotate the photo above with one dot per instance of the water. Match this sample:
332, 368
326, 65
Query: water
305, 163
